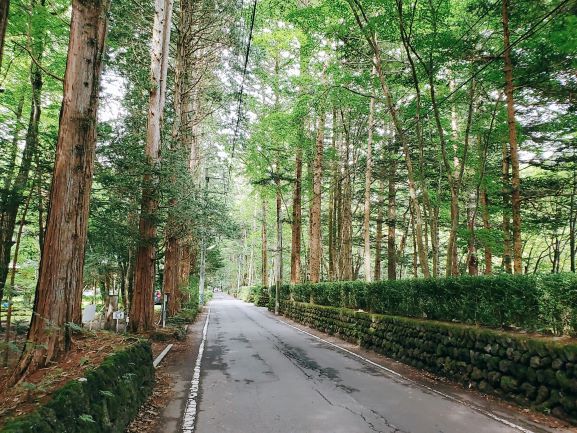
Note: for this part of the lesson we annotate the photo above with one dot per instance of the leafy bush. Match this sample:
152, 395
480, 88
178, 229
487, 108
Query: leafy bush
545, 303
190, 294
256, 294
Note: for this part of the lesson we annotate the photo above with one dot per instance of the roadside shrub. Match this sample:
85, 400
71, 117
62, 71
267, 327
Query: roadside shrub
263, 296
544, 303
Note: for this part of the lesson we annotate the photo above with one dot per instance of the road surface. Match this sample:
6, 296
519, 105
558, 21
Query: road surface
259, 375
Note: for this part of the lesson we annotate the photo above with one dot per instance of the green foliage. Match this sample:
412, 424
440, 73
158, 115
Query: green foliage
258, 295
545, 303
191, 295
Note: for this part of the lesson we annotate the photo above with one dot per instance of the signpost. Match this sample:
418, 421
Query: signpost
117, 315
164, 304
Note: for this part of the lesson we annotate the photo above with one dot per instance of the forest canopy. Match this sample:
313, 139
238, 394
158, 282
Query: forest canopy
182, 146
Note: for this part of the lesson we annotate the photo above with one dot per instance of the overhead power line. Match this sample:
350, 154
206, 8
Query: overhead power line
245, 67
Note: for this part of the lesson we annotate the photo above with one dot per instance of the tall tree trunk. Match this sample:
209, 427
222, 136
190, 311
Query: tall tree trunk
264, 246
368, 183
392, 216
60, 280
333, 204
12, 280
297, 220
573, 216
454, 173
41, 198
408, 161
4, 7
128, 278
486, 226
514, 149
278, 264
454, 179
472, 260
11, 166
184, 270
427, 206
415, 255
371, 39
171, 274
315, 240
14, 194
142, 307
452, 254
379, 235
506, 212
346, 226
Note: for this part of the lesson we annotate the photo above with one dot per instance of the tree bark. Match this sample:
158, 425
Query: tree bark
472, 260
427, 206
184, 270
506, 211
333, 205
12, 280
486, 226
60, 281
368, 183
297, 220
392, 216
514, 148
171, 275
278, 264
379, 234
315, 240
346, 225
408, 158
14, 194
11, 166
142, 306
573, 216
264, 246
4, 7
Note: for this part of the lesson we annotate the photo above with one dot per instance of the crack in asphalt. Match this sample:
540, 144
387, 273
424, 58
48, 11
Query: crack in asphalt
295, 355
363, 417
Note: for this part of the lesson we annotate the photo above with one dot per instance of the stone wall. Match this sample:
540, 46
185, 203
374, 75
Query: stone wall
536, 372
105, 401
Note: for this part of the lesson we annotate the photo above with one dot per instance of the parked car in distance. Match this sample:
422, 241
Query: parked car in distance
157, 297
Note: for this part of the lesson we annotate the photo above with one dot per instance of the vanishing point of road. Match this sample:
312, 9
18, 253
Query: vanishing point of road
259, 374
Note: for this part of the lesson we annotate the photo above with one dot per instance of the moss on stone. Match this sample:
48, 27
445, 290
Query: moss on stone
127, 377
534, 371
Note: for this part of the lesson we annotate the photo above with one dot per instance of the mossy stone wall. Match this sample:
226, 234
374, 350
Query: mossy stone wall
536, 372
105, 402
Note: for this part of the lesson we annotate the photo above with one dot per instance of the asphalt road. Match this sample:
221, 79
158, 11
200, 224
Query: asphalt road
259, 375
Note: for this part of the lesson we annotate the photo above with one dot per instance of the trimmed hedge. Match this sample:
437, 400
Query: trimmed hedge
105, 402
544, 303
530, 371
258, 295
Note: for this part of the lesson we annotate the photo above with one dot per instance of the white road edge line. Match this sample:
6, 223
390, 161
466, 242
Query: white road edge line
388, 370
191, 404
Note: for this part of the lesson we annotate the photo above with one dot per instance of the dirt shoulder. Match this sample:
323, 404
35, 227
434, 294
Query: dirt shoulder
88, 352
162, 413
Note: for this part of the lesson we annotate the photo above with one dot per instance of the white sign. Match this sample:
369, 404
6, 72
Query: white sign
89, 313
118, 315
